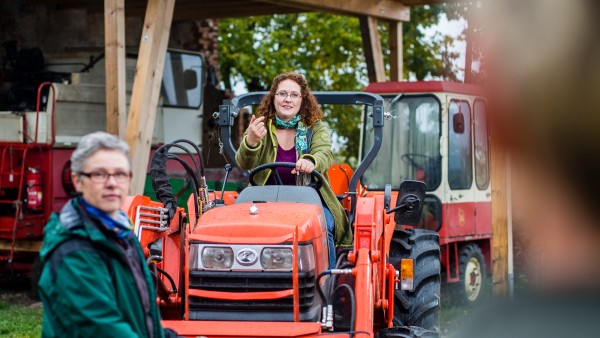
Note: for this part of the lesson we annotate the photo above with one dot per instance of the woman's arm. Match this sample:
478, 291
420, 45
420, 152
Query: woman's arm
320, 148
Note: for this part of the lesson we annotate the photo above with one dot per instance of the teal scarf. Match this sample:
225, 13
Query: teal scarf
122, 227
299, 134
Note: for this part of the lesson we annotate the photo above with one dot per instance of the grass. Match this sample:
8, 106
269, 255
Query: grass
451, 317
18, 320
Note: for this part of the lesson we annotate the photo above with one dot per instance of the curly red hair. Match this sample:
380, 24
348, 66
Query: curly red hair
309, 109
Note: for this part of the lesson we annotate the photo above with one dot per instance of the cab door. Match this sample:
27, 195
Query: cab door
460, 208
481, 157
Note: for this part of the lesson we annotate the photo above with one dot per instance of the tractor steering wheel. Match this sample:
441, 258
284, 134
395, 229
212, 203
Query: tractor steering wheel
410, 158
316, 184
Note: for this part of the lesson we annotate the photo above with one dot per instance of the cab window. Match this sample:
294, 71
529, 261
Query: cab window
460, 169
480, 127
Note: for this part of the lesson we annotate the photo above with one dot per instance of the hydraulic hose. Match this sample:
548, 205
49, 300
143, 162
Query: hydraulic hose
173, 286
200, 168
190, 172
352, 303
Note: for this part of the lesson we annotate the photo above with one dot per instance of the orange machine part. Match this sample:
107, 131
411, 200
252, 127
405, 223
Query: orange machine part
339, 180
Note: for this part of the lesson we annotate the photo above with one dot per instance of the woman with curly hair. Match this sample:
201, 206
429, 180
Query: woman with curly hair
279, 133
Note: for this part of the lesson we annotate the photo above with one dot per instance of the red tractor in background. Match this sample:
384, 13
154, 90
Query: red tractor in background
440, 136
256, 264
46, 106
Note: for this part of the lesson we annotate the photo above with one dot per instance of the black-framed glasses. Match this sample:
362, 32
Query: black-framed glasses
283, 95
102, 176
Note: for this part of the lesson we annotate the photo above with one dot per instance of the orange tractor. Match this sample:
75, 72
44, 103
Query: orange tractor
256, 264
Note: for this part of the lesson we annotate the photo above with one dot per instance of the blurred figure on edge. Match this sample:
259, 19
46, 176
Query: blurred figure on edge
544, 81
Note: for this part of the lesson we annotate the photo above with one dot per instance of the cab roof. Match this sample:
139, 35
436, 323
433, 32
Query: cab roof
424, 87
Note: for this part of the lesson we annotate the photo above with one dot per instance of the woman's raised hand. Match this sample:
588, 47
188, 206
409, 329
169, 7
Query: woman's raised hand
256, 131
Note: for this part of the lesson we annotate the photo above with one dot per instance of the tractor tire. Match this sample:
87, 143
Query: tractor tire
472, 287
406, 332
421, 306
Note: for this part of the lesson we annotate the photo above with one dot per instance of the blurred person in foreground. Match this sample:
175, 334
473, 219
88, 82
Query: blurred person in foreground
544, 81
95, 281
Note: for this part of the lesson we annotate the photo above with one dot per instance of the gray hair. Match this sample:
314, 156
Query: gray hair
93, 142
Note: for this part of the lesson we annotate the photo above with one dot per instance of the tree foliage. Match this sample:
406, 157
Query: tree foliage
327, 49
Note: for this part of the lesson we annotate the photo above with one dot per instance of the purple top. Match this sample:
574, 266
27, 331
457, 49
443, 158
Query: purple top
285, 173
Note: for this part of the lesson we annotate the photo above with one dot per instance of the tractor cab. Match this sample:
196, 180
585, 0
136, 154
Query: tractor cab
438, 134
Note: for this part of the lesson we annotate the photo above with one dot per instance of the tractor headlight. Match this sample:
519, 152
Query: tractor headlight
276, 258
250, 257
217, 257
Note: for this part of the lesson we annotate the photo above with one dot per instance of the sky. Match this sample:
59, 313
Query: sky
453, 28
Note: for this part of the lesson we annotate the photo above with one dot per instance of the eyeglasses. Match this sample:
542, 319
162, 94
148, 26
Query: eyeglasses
283, 95
101, 176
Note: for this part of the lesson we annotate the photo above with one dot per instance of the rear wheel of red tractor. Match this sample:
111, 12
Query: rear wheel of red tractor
421, 306
471, 289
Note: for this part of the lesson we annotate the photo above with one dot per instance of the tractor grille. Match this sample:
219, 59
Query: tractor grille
242, 282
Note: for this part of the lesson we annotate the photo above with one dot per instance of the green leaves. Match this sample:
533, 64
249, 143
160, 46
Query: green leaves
327, 49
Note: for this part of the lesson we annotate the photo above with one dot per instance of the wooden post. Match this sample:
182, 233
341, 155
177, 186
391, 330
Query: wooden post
146, 87
372, 47
114, 57
396, 51
500, 219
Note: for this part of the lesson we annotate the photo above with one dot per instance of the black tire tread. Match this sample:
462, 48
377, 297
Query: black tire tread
420, 307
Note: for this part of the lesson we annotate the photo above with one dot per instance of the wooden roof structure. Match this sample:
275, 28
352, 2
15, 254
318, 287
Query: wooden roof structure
202, 9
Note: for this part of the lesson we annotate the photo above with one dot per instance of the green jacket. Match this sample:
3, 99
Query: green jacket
90, 291
319, 153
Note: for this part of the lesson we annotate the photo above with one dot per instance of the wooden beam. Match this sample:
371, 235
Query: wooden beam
21, 245
381, 9
396, 54
186, 10
114, 57
500, 214
372, 48
146, 87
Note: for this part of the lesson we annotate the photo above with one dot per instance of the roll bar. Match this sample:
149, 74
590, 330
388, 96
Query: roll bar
229, 111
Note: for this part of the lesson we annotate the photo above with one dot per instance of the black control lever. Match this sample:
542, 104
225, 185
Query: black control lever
228, 168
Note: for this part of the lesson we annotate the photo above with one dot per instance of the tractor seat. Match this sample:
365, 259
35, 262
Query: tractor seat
279, 193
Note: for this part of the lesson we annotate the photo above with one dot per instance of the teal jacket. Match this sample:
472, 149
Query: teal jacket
90, 291
319, 152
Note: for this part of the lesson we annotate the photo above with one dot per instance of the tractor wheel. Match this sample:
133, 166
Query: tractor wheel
406, 332
472, 287
421, 306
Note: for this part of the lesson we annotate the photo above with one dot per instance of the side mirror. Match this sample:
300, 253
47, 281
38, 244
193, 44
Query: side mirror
458, 123
190, 79
409, 204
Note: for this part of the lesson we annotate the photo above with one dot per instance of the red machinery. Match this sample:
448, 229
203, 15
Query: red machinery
256, 264
42, 122
440, 136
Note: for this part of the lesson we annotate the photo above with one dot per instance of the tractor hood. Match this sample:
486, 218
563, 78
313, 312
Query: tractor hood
264, 223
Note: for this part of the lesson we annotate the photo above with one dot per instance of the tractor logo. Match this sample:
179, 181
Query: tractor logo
246, 257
